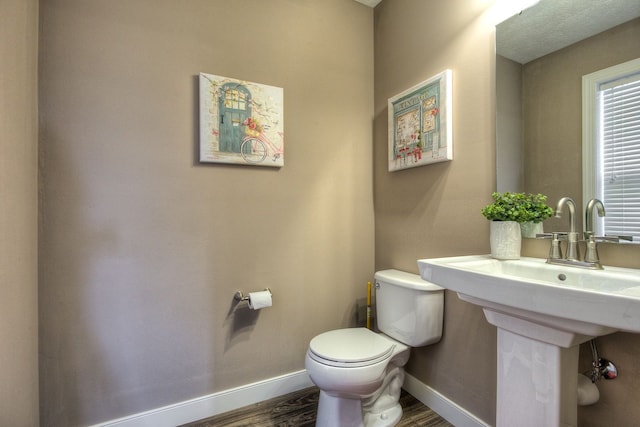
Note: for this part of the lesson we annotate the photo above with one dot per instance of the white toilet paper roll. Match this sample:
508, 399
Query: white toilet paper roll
588, 393
258, 300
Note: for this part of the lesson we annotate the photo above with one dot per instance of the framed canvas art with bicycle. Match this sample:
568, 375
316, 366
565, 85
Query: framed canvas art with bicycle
240, 122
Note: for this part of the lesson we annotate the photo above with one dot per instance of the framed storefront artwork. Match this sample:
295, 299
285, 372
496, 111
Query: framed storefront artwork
420, 124
240, 122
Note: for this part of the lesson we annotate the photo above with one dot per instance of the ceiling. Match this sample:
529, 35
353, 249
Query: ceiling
553, 24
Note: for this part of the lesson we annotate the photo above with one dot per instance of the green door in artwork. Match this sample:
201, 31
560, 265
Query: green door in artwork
235, 108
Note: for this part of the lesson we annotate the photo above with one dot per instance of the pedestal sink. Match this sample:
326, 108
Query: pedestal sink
542, 312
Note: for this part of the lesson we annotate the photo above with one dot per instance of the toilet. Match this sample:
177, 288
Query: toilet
360, 372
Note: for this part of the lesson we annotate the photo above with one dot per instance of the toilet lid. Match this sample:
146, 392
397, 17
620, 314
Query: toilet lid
353, 345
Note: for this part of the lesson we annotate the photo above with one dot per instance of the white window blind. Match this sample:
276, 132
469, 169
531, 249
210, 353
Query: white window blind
619, 147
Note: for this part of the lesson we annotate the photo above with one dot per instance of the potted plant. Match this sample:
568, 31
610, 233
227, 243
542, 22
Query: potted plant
537, 211
508, 212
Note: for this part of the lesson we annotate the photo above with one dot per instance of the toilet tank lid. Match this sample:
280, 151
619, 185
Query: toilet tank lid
407, 280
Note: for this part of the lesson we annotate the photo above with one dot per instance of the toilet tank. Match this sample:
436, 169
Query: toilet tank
408, 308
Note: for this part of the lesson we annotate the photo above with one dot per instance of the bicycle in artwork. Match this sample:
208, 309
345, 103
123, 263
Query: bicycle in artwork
256, 145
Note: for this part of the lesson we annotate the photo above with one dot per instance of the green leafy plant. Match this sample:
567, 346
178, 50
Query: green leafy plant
518, 207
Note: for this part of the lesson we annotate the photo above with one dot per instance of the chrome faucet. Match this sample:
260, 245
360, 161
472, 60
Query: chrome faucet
573, 252
588, 216
572, 258
591, 255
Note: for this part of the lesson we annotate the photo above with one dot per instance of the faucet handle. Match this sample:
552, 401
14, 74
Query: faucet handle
555, 251
591, 254
556, 235
592, 248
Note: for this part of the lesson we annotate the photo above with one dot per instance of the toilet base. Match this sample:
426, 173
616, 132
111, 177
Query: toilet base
381, 409
387, 418
338, 411
344, 412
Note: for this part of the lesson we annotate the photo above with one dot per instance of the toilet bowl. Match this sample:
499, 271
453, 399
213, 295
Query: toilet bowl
360, 372
350, 375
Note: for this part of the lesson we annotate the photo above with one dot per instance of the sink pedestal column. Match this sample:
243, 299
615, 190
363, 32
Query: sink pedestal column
537, 377
537, 383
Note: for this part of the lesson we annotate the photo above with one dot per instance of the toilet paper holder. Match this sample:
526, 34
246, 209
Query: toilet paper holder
239, 296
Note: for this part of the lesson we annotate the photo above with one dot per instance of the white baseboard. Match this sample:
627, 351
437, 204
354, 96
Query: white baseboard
216, 403
443, 406
228, 400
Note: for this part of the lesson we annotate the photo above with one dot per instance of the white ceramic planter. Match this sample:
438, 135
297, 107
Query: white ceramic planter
505, 239
530, 229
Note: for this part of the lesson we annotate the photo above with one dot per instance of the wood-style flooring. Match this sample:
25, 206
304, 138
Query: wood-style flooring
298, 409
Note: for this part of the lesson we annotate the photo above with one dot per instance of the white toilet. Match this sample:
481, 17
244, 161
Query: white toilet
360, 372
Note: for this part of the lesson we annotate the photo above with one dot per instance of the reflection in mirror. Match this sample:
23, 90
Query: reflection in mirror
611, 147
541, 56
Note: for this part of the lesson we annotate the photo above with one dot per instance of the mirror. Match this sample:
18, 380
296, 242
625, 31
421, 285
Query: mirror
541, 56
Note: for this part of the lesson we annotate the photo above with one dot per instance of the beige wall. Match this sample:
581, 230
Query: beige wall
143, 248
18, 213
553, 156
434, 210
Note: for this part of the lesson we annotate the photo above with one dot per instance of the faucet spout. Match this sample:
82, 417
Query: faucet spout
572, 211
588, 220
573, 252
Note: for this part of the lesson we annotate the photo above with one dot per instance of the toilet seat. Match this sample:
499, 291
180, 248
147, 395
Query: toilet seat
350, 348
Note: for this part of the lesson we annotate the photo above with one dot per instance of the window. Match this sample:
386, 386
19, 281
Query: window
235, 99
611, 147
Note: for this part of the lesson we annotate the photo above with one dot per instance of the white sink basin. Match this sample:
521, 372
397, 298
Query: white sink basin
588, 302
